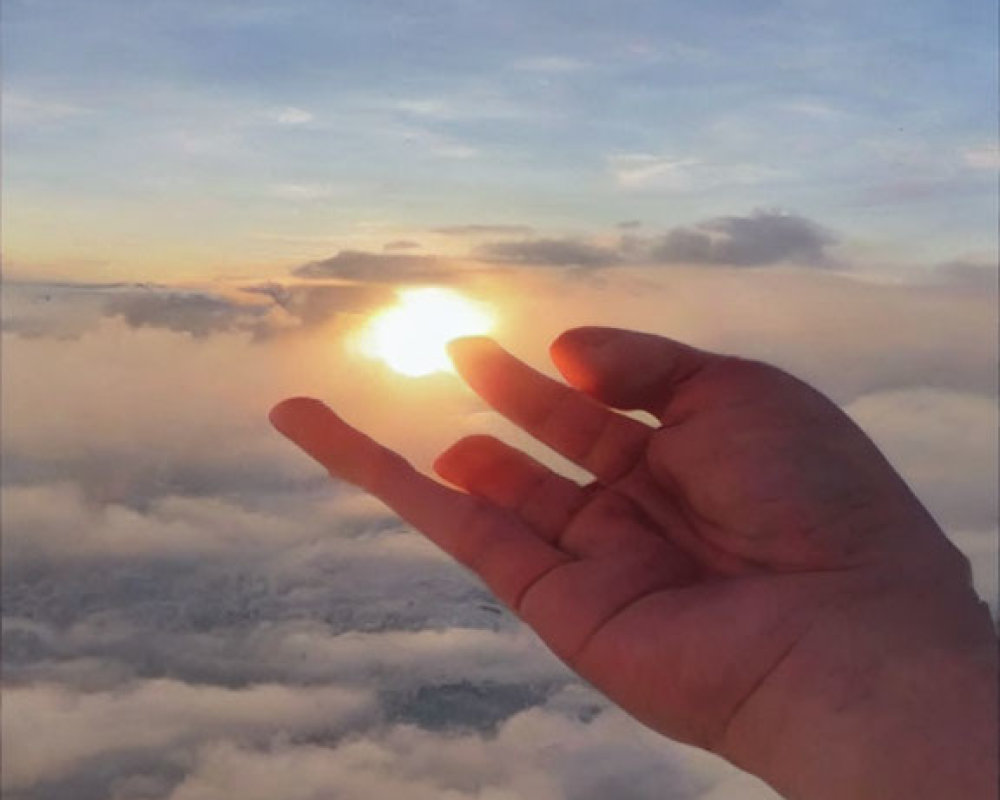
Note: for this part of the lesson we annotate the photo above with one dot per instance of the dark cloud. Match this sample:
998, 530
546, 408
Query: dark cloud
762, 239
552, 252
486, 230
58, 309
357, 265
312, 305
195, 313
269, 310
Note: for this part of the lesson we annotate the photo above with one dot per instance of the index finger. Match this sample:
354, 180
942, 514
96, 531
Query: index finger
503, 551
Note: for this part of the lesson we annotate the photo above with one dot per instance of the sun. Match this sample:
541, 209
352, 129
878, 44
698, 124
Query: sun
411, 336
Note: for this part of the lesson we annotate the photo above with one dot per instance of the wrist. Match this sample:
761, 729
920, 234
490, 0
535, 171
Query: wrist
890, 697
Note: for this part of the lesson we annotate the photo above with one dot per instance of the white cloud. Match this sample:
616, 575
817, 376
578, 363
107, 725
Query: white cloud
537, 755
303, 191
648, 172
435, 107
19, 109
49, 731
409, 658
642, 170
475, 102
124, 408
290, 115
944, 444
57, 522
985, 157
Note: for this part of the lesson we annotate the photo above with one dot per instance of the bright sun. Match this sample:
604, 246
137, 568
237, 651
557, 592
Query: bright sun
411, 336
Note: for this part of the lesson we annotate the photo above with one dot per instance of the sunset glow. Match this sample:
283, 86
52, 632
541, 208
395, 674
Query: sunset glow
411, 336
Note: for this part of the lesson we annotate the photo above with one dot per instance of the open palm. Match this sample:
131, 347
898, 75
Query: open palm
702, 565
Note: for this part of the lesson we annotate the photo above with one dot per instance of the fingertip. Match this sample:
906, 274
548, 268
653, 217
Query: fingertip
577, 352
586, 337
446, 465
625, 369
454, 463
479, 361
466, 348
294, 414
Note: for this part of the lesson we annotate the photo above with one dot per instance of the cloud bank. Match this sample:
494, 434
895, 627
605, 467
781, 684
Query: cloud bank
191, 610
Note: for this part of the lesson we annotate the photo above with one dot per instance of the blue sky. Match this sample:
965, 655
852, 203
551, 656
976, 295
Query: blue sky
172, 138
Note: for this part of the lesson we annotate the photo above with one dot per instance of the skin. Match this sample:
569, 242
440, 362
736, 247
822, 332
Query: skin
748, 575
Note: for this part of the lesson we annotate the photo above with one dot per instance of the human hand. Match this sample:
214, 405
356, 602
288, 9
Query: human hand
749, 575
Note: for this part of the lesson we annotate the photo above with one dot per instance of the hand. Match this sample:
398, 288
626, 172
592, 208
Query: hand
743, 576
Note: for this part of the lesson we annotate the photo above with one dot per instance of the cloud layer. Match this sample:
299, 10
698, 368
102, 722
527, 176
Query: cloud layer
192, 611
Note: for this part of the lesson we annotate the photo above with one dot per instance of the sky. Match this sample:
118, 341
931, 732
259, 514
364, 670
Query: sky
203, 203
167, 138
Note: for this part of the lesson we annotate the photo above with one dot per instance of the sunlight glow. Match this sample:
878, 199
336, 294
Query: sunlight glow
411, 336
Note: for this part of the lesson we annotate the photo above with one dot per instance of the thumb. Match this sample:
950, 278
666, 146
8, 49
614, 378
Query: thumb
627, 369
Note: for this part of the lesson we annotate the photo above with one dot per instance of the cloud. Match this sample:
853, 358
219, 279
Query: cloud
303, 191
551, 252
230, 626
407, 659
761, 239
196, 313
290, 115
59, 523
24, 110
166, 555
133, 414
310, 306
166, 414
846, 335
540, 754
378, 268
33, 310
639, 171
49, 731
474, 103
985, 157
401, 244
486, 230
935, 439
644, 172
67, 311
261, 311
